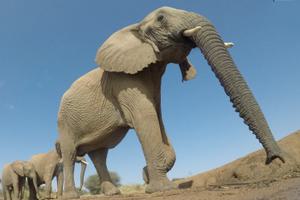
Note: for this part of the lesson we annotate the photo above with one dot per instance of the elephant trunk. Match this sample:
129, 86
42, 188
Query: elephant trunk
212, 46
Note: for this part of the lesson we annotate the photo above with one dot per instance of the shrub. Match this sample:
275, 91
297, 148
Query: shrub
92, 183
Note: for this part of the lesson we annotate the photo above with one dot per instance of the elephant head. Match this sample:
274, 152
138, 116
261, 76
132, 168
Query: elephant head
167, 35
25, 169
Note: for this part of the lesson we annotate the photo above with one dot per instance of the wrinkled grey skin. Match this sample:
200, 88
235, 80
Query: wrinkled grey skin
100, 107
49, 166
13, 179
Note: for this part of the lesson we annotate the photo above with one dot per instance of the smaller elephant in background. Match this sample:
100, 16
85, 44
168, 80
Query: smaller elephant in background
13, 179
47, 166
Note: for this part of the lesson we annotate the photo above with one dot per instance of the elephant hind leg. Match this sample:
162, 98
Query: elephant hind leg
98, 158
68, 150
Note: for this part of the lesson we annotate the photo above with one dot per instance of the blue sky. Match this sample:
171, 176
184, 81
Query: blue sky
46, 45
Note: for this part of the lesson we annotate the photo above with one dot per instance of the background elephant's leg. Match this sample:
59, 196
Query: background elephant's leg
48, 181
10, 194
68, 155
4, 192
48, 177
21, 187
16, 194
32, 192
60, 183
158, 158
98, 158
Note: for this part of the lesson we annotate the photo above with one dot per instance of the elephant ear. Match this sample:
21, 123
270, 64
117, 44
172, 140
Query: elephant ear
18, 168
125, 51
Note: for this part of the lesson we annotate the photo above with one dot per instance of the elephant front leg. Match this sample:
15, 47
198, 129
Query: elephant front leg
170, 158
159, 154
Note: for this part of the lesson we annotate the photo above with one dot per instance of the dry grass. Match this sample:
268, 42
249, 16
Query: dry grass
132, 189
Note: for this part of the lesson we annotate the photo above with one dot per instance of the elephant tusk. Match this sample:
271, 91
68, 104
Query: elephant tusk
191, 32
228, 44
84, 162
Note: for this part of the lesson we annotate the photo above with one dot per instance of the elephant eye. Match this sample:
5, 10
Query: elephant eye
160, 18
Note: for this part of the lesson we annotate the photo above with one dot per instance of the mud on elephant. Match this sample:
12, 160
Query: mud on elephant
125, 93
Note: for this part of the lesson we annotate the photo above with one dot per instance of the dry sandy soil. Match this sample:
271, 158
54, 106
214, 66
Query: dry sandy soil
283, 190
247, 178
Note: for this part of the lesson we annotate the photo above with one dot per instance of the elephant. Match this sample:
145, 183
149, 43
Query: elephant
47, 166
13, 179
124, 92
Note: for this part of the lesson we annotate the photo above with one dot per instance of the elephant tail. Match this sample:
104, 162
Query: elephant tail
58, 149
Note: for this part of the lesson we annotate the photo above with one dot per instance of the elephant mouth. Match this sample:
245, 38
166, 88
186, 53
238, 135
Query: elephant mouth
180, 39
178, 45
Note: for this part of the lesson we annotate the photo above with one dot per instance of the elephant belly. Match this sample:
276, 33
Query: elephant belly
101, 140
90, 118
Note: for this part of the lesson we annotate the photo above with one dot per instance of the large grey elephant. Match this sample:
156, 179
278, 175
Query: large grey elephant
125, 93
13, 179
48, 166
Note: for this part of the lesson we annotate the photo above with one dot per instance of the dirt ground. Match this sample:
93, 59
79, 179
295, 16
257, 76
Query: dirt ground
288, 189
247, 178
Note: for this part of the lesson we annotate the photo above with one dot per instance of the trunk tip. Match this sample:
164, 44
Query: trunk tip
273, 156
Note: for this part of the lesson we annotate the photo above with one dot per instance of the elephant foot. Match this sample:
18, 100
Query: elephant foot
160, 186
70, 195
109, 189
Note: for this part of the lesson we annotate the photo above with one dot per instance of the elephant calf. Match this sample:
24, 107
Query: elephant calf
48, 166
13, 179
